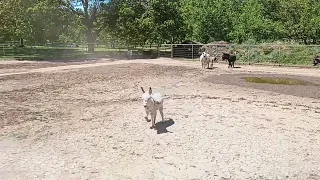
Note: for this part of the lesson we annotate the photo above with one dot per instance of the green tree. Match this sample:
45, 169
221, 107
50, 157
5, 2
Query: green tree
129, 23
88, 11
13, 19
125, 21
138, 22
300, 18
50, 22
209, 20
250, 23
37, 21
167, 21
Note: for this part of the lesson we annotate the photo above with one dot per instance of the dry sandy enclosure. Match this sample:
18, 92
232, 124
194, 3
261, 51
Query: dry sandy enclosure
86, 121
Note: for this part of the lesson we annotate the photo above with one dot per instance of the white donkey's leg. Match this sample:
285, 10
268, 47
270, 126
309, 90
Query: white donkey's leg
161, 113
153, 118
147, 114
202, 60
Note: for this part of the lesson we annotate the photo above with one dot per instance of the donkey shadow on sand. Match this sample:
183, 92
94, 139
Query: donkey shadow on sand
161, 127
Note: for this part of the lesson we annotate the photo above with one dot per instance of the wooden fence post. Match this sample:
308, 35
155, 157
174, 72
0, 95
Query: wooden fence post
192, 51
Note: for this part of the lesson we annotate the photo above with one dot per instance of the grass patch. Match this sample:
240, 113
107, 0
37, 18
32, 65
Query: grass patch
275, 80
276, 54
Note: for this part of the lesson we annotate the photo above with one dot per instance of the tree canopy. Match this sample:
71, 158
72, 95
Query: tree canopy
155, 21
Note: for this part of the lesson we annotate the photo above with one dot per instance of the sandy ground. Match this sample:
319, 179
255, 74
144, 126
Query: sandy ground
85, 121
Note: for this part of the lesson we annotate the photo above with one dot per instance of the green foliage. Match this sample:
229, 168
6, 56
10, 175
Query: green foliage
216, 22
272, 54
156, 21
38, 21
251, 24
167, 21
12, 14
137, 23
257, 20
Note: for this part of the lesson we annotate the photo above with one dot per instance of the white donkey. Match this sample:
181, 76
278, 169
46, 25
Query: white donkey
206, 60
152, 102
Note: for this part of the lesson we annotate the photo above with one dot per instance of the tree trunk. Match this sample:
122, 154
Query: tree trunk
90, 47
91, 39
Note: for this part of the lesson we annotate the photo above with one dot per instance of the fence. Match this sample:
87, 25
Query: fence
266, 54
56, 51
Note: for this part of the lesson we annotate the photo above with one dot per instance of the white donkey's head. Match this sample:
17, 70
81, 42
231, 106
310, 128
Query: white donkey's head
205, 54
146, 97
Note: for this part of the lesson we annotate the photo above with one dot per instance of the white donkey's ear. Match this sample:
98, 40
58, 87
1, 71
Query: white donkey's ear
142, 90
150, 90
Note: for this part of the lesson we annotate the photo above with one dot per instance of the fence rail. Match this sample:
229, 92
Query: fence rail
266, 54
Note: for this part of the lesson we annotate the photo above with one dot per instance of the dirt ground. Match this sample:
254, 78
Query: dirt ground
86, 121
